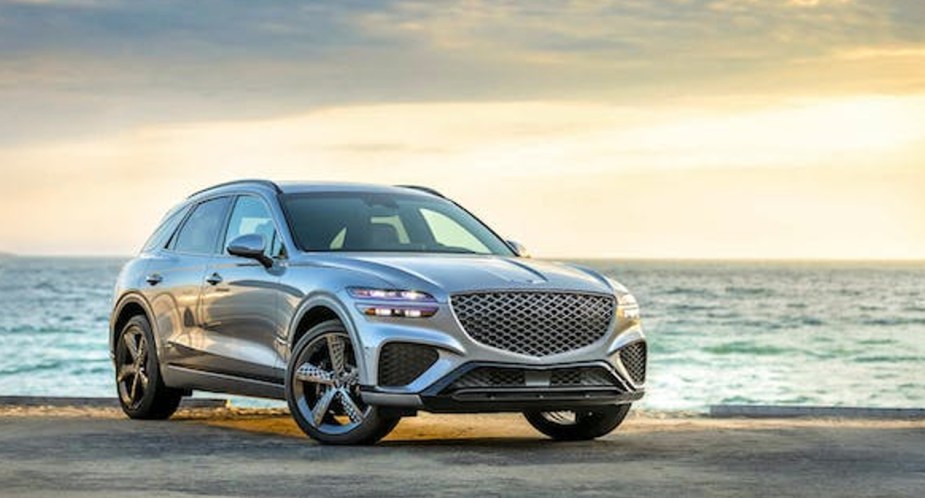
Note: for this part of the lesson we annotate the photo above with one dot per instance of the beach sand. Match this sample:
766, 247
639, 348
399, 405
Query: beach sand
250, 452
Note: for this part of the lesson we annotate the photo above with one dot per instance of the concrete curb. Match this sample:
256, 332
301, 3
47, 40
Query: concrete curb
768, 411
98, 402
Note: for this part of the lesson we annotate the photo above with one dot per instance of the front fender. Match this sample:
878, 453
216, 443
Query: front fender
131, 298
332, 302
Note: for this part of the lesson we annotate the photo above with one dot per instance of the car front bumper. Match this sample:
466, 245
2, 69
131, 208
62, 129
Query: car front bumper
536, 392
441, 386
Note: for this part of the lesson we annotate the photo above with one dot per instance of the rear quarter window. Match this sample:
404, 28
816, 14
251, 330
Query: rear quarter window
165, 230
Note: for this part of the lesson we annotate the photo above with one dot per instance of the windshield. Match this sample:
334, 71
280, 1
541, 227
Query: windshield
377, 222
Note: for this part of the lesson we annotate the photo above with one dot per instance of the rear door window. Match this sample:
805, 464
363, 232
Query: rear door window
200, 232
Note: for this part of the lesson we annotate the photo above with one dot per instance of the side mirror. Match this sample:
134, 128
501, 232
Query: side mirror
250, 246
519, 249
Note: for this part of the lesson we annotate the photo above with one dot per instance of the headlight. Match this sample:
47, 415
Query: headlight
394, 303
627, 307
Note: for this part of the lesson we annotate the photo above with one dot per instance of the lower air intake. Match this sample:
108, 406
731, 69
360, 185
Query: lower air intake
633, 358
400, 363
506, 378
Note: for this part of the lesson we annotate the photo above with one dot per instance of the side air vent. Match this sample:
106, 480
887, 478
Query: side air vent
633, 358
400, 363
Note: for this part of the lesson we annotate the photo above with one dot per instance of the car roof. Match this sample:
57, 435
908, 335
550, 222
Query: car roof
312, 187
307, 187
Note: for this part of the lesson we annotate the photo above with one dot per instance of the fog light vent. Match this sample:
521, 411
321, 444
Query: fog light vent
400, 363
634, 360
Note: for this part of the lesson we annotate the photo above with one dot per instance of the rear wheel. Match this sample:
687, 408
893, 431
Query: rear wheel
142, 393
578, 425
322, 388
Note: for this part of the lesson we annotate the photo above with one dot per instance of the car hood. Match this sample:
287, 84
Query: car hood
466, 273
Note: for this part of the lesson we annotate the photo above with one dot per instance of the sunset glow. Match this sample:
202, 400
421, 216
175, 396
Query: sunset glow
784, 141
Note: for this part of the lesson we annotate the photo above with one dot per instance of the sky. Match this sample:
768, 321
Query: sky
755, 129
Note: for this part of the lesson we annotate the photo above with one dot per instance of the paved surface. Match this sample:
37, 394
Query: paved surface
458, 456
71, 401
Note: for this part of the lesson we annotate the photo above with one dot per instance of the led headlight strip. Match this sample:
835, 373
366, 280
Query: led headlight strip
394, 303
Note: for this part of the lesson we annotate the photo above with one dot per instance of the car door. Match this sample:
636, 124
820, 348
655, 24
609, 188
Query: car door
175, 276
241, 297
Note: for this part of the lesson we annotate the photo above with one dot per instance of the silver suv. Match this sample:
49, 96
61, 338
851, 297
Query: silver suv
362, 304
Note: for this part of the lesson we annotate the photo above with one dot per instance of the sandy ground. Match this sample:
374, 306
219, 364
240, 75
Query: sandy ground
240, 452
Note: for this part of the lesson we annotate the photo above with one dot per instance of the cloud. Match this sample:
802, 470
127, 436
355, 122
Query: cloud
80, 67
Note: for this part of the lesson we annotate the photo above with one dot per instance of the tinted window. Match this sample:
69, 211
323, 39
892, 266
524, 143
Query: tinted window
199, 234
250, 215
165, 230
356, 221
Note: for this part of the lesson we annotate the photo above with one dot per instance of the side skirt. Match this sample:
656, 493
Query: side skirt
201, 380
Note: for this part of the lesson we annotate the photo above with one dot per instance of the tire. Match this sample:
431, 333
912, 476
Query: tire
315, 375
139, 386
578, 425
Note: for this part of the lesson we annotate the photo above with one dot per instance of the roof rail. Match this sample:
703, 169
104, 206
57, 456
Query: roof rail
265, 183
427, 190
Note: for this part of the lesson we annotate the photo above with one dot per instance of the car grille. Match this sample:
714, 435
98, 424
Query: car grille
534, 323
501, 378
633, 358
401, 363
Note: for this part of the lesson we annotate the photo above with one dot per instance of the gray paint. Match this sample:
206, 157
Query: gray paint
235, 336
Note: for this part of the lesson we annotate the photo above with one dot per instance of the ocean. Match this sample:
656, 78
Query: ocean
844, 334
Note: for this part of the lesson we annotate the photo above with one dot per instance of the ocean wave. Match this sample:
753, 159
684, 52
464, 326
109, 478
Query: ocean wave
74, 367
889, 359
684, 291
832, 353
32, 330
750, 291
749, 348
808, 321
33, 367
737, 400
876, 342
760, 325
893, 322
692, 308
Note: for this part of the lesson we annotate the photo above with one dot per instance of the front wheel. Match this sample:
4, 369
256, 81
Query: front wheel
322, 388
578, 425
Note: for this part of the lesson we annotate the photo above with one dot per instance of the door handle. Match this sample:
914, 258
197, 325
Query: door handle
214, 279
154, 279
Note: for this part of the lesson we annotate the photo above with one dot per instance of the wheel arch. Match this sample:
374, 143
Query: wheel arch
320, 308
128, 306
314, 310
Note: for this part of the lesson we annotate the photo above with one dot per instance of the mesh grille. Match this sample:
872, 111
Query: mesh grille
634, 359
492, 377
400, 363
581, 377
534, 323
